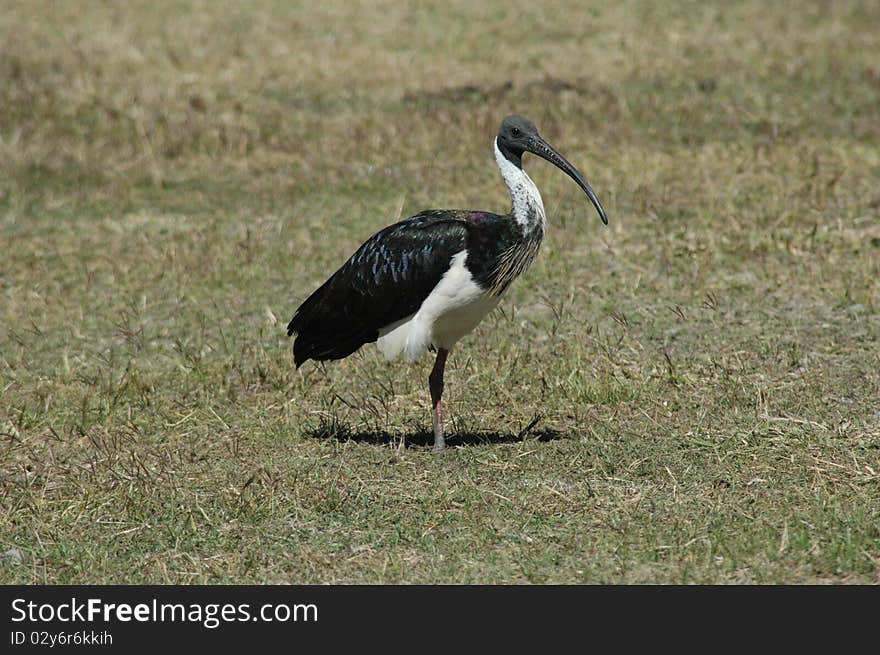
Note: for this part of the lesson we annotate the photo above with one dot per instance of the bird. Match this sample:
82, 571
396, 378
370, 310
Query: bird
426, 281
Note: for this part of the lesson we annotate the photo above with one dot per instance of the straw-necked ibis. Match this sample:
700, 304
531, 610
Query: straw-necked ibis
427, 281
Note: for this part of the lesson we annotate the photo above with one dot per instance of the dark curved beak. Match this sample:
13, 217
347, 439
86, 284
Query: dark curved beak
539, 147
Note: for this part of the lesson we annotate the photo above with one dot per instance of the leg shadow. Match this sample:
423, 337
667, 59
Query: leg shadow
426, 439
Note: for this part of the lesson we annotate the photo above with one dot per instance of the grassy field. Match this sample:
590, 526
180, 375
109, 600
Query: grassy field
691, 395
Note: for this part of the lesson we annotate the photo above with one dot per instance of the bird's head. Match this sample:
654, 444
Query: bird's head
518, 135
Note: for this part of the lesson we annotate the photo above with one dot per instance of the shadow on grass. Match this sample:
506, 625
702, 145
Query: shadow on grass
426, 439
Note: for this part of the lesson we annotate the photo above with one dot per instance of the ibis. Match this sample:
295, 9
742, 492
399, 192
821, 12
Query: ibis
427, 281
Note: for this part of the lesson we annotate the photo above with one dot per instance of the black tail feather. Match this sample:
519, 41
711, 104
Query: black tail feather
308, 347
323, 331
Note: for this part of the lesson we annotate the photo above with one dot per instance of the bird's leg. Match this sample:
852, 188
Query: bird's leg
435, 381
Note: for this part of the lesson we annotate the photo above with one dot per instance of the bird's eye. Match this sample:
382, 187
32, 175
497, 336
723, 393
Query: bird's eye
515, 131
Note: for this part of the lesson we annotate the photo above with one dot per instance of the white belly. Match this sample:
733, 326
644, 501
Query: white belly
456, 323
455, 307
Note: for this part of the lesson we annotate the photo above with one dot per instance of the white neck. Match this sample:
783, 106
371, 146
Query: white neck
528, 208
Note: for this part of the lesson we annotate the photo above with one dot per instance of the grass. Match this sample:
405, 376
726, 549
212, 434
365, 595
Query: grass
691, 395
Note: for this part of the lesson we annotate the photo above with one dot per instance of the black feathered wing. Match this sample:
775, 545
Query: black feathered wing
386, 280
